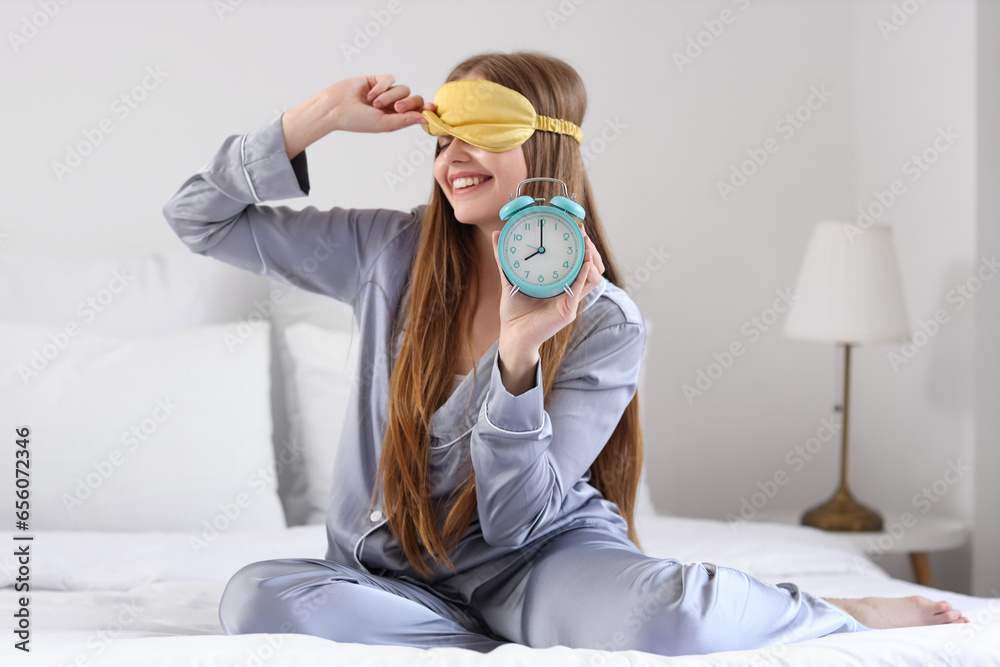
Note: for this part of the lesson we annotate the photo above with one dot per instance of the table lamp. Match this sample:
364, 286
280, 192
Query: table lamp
848, 292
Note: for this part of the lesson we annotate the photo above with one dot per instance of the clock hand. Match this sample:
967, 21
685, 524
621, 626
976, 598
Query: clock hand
531, 255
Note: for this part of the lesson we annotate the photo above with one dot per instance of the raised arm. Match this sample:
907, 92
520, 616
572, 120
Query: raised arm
361, 104
216, 212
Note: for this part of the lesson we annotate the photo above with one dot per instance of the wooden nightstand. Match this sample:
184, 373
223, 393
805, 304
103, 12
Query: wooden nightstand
903, 532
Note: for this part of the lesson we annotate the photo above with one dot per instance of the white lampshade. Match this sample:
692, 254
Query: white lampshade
848, 289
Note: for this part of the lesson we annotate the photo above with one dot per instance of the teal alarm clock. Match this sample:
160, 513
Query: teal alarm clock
541, 247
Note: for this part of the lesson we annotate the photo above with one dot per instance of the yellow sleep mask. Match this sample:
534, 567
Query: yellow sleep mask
490, 116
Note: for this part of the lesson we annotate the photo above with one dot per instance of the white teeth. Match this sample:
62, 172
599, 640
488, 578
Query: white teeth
459, 183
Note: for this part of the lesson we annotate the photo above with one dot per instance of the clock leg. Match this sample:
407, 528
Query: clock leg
514, 290
568, 290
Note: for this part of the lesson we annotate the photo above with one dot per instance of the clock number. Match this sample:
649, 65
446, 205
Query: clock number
527, 273
565, 236
541, 279
569, 250
555, 226
527, 225
517, 237
555, 275
517, 264
513, 250
566, 265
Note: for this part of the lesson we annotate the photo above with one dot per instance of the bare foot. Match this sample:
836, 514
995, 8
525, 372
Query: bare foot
899, 612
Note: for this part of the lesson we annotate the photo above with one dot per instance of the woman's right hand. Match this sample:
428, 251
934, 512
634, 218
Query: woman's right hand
375, 104
359, 104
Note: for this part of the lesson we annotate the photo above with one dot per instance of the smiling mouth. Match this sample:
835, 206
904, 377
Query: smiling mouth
462, 185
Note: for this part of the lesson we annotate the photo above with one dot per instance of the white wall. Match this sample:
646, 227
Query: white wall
680, 131
986, 543
915, 84
890, 95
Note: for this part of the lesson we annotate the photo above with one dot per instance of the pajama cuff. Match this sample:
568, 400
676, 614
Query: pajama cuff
520, 414
268, 172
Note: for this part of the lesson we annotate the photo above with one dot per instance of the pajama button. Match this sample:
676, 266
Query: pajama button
375, 516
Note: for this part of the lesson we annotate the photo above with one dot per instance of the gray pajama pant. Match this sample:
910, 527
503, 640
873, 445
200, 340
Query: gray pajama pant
586, 588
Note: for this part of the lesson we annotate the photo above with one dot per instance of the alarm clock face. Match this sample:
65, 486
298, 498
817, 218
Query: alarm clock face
542, 250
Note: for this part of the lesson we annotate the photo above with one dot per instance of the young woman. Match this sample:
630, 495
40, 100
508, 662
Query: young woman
486, 478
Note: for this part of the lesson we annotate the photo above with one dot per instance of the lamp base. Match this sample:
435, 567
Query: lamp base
843, 513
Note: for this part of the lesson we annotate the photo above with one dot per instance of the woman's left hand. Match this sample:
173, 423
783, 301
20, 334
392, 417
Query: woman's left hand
526, 322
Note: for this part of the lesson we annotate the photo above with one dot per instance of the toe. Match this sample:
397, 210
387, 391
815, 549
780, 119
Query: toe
945, 617
952, 615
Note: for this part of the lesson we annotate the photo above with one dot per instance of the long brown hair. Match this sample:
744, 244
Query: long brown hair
439, 308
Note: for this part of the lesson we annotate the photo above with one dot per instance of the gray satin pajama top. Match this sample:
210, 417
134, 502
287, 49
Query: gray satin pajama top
531, 460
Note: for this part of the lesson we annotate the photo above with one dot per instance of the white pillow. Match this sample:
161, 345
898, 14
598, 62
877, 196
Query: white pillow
167, 432
319, 369
102, 561
130, 295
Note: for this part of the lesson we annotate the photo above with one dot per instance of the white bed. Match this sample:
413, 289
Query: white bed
146, 599
183, 429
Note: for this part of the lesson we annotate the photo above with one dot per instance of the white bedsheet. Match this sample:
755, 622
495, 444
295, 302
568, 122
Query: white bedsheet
136, 599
